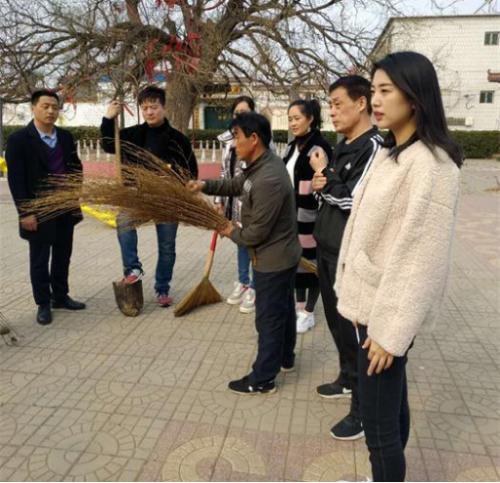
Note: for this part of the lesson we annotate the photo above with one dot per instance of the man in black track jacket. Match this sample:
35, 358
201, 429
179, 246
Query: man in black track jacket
335, 186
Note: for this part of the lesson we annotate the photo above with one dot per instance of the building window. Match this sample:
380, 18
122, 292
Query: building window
455, 121
486, 97
491, 38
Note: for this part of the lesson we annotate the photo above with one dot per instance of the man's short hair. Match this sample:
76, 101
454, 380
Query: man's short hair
356, 87
251, 122
151, 93
43, 92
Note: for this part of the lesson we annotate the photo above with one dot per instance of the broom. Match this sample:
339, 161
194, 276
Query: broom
204, 293
308, 266
149, 192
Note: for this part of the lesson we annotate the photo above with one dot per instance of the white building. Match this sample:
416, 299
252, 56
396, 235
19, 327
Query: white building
211, 111
465, 50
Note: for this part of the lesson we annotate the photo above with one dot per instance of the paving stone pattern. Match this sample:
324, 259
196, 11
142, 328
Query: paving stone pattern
98, 396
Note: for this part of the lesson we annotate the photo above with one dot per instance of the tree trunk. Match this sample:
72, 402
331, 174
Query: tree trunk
181, 100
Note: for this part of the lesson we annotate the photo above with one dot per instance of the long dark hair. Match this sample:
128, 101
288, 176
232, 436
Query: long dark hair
311, 109
415, 76
247, 99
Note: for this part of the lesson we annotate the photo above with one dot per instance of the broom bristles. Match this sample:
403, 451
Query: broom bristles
151, 192
308, 266
203, 294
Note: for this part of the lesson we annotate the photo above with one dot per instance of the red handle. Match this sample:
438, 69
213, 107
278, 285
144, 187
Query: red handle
214, 241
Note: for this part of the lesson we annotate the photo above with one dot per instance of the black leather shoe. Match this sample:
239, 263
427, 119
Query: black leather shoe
44, 315
68, 303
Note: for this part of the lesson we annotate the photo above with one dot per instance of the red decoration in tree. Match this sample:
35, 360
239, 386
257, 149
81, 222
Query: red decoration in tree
149, 68
168, 3
150, 63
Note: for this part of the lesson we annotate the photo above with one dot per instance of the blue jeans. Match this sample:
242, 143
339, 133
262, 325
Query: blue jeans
244, 265
166, 234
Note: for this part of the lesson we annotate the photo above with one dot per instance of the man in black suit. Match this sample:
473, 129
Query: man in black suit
33, 153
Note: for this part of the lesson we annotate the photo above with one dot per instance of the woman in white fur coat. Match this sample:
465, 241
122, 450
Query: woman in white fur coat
395, 252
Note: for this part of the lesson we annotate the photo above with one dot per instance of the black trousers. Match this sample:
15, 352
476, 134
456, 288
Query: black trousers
275, 321
53, 283
385, 415
342, 330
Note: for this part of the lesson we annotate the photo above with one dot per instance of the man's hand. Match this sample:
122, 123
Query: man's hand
29, 223
195, 186
226, 230
220, 208
318, 160
379, 358
114, 108
318, 181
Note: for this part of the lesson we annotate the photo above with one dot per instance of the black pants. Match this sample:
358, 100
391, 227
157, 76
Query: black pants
308, 295
342, 330
275, 321
385, 414
42, 281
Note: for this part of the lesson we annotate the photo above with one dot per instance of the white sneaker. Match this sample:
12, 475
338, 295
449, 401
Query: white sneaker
247, 305
305, 321
237, 294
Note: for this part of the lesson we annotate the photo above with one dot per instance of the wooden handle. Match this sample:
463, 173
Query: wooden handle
211, 254
118, 151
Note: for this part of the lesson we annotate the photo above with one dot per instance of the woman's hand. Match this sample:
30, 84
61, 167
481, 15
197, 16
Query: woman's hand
379, 358
318, 160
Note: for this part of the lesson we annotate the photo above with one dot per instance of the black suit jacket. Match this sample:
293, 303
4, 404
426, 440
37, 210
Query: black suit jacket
27, 163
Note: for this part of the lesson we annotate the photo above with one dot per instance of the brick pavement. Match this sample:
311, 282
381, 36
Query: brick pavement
98, 396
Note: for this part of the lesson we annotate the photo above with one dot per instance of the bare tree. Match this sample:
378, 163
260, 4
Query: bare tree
198, 44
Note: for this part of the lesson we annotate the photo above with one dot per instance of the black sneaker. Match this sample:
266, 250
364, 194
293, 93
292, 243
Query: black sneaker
348, 429
243, 386
333, 390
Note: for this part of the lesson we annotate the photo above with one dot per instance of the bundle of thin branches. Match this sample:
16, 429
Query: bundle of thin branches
149, 191
308, 266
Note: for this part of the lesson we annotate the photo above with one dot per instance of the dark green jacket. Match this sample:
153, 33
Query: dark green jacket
268, 216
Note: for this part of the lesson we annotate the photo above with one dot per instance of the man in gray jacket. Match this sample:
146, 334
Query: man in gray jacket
269, 230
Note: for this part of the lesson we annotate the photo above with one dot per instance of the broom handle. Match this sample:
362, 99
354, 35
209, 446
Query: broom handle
118, 151
211, 253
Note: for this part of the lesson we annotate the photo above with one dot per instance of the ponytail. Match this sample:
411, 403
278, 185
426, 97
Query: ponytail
311, 109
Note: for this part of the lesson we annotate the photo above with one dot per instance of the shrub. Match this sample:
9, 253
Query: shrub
476, 144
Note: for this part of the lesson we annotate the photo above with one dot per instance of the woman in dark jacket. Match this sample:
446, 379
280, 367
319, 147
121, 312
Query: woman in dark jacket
243, 293
304, 118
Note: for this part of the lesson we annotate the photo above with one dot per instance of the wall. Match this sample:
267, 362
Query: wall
456, 47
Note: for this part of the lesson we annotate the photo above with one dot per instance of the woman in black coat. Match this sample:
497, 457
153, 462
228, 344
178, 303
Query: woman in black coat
304, 118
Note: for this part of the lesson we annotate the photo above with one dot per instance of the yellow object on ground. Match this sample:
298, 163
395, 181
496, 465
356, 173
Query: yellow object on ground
107, 217
3, 165
104, 216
